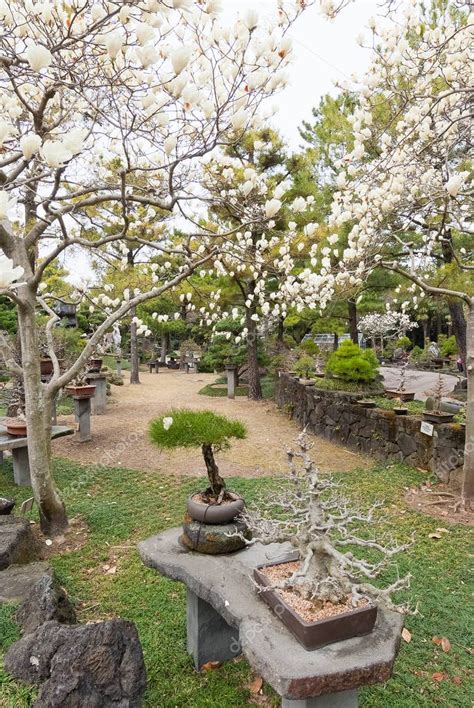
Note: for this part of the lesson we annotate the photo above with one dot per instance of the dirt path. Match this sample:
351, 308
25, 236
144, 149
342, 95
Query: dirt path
120, 437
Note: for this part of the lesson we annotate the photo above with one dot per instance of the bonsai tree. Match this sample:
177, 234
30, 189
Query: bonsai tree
321, 524
351, 363
305, 366
204, 429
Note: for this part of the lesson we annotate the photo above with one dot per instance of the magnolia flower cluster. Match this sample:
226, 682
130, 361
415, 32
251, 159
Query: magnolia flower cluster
418, 179
385, 324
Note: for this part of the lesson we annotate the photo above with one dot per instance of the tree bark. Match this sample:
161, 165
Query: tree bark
335, 342
255, 388
216, 482
352, 317
39, 406
456, 307
134, 358
468, 470
165, 345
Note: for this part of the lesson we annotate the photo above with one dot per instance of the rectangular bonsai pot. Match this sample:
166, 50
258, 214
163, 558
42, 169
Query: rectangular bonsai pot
313, 635
402, 395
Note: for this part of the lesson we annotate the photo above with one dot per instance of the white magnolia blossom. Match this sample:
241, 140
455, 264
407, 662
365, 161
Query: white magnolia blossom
387, 324
30, 144
8, 272
38, 57
167, 422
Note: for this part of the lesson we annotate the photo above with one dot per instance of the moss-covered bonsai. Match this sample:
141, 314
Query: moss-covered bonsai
205, 429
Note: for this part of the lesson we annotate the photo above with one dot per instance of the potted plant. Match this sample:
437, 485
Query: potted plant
398, 409
436, 415
80, 388
17, 425
305, 368
94, 364
321, 590
211, 510
46, 366
366, 403
400, 393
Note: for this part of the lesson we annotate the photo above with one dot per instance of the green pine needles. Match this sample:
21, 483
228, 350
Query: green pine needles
351, 363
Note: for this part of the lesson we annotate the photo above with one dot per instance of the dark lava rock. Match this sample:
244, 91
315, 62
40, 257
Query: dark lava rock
6, 506
46, 601
17, 544
94, 665
17, 580
213, 538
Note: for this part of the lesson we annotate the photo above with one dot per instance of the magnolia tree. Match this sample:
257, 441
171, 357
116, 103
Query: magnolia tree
259, 253
385, 325
106, 105
405, 206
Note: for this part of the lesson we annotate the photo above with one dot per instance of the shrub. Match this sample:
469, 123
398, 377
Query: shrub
351, 363
404, 343
204, 429
309, 347
305, 366
448, 346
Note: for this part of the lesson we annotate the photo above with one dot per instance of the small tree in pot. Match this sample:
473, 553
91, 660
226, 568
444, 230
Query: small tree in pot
326, 582
216, 505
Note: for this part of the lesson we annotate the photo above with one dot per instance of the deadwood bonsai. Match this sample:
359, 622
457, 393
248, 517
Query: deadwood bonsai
318, 521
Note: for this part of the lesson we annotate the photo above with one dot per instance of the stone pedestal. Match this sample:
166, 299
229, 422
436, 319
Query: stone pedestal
231, 372
82, 411
118, 369
209, 637
99, 399
153, 367
344, 699
21, 467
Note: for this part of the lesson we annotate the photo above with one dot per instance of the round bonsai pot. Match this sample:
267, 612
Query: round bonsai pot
366, 403
80, 391
16, 428
46, 367
433, 417
400, 411
6, 506
215, 513
95, 365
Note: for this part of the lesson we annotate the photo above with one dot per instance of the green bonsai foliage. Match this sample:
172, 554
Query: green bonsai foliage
403, 343
305, 366
309, 347
204, 429
448, 346
351, 363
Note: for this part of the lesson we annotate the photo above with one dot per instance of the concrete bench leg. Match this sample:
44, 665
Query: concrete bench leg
344, 699
21, 467
210, 638
83, 418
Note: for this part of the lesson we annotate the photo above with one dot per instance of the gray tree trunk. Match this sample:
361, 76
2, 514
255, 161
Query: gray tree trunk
255, 388
165, 345
468, 471
134, 358
352, 316
39, 408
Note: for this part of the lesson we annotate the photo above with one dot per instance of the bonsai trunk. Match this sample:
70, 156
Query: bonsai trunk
39, 405
216, 482
134, 360
255, 388
352, 315
468, 471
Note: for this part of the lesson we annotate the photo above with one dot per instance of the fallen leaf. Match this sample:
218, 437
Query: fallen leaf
112, 570
406, 635
434, 535
211, 665
457, 680
442, 530
256, 685
445, 644
438, 676
437, 641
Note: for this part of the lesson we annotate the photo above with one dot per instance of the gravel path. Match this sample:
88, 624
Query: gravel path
120, 436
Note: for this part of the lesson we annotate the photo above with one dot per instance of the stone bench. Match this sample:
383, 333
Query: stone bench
225, 617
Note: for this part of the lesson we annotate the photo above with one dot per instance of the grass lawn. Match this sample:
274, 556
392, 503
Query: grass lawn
215, 389
121, 507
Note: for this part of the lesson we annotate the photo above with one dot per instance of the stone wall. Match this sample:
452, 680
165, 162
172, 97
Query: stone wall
337, 417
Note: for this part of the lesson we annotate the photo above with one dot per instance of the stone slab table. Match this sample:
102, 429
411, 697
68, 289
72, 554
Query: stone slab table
225, 617
99, 399
19, 449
